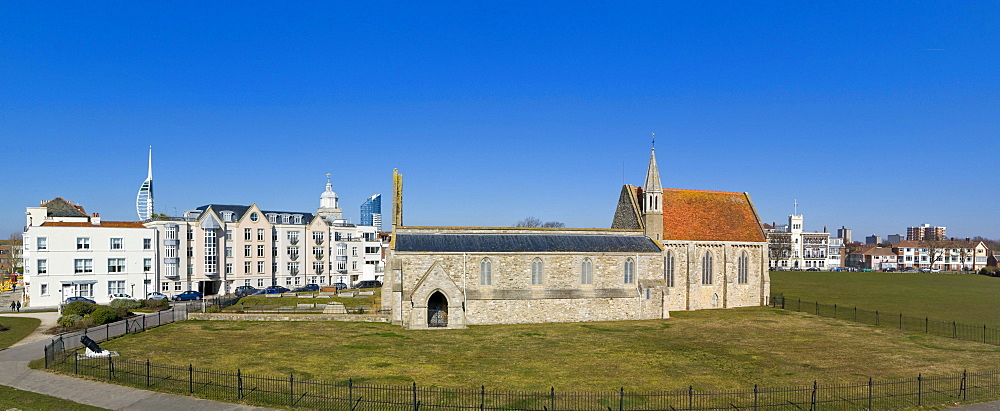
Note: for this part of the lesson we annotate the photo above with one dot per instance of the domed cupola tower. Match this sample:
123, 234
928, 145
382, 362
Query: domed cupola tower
329, 203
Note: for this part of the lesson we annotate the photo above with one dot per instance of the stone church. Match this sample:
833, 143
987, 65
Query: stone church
667, 249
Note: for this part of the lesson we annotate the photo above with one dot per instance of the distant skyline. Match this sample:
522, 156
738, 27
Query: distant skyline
874, 116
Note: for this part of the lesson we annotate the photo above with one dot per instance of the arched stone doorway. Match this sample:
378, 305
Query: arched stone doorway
437, 310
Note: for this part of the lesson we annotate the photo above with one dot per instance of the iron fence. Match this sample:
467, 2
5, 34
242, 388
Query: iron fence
56, 350
950, 329
289, 391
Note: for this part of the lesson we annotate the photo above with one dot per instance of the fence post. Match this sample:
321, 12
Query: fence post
191, 378
800, 305
782, 302
964, 385
111, 367
691, 394
76, 364
416, 406
46, 357
147, 373
869, 393
927, 321
291, 389
920, 389
552, 398
954, 329
350, 388
482, 398
755, 397
144, 322
855, 313
835, 311
621, 398
900, 321
817, 307
876, 318
815, 385
158, 320
239, 383
984, 333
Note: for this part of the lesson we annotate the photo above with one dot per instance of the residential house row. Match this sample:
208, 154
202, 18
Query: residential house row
211, 249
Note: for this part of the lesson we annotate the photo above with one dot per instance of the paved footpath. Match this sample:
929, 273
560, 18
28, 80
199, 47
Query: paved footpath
14, 372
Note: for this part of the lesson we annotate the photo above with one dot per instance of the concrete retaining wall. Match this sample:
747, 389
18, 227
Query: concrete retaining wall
371, 318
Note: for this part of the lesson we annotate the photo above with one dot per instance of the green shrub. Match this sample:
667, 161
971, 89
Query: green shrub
125, 304
80, 308
104, 315
213, 309
155, 304
69, 321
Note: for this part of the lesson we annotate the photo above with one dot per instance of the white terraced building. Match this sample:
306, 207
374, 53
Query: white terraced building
69, 253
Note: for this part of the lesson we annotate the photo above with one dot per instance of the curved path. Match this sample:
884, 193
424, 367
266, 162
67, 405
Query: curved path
14, 372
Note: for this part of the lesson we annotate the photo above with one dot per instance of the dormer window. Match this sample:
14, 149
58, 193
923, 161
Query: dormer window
227, 216
298, 218
284, 218
272, 218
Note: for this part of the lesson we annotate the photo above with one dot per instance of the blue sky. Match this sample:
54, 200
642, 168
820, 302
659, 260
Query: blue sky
873, 115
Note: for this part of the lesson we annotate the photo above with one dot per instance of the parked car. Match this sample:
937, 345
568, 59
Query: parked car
244, 290
277, 289
311, 287
188, 295
812, 269
368, 284
156, 296
340, 286
925, 270
76, 298
123, 296
935, 270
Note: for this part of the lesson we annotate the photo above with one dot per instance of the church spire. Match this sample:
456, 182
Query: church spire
652, 201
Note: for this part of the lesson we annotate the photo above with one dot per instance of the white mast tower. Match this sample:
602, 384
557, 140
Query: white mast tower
144, 199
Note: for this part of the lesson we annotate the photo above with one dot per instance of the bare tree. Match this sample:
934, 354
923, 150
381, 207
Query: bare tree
10, 254
531, 221
935, 249
851, 248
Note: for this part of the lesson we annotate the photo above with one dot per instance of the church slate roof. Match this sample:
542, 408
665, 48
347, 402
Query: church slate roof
533, 243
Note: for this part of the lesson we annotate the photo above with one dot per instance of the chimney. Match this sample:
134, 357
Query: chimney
824, 229
95, 219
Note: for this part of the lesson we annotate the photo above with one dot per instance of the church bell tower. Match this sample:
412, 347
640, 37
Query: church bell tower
652, 200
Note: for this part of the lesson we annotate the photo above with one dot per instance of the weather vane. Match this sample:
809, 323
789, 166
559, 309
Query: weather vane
654, 139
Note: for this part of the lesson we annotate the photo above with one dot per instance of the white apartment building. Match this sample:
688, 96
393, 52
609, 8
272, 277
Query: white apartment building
218, 247
792, 248
69, 253
948, 255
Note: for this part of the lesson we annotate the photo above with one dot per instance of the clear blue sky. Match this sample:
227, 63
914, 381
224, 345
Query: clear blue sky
874, 115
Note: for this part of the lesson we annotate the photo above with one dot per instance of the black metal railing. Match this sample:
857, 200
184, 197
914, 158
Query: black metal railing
950, 329
289, 391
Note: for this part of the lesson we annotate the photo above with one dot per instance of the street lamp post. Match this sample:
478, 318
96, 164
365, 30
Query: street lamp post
132, 294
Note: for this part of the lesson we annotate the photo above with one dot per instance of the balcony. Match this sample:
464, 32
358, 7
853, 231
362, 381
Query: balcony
294, 271
293, 256
319, 270
293, 241
319, 256
319, 241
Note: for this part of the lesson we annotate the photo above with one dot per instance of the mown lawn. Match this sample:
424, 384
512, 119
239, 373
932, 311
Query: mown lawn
20, 327
710, 349
966, 298
15, 399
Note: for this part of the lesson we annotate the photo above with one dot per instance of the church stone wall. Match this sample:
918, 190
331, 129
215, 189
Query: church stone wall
725, 291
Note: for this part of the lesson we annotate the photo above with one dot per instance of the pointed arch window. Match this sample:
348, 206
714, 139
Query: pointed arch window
485, 272
536, 271
668, 269
743, 268
629, 270
706, 268
587, 272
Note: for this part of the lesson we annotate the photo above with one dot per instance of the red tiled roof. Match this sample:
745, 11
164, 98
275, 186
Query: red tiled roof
104, 224
696, 215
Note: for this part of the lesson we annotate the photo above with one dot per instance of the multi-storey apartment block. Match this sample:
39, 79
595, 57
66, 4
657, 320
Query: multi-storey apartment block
925, 232
213, 249
948, 255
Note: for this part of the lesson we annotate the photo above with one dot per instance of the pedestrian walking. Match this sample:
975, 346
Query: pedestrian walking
18, 306
13, 306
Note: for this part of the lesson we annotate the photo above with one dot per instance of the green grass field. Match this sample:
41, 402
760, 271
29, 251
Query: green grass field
710, 349
966, 298
20, 327
12, 398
